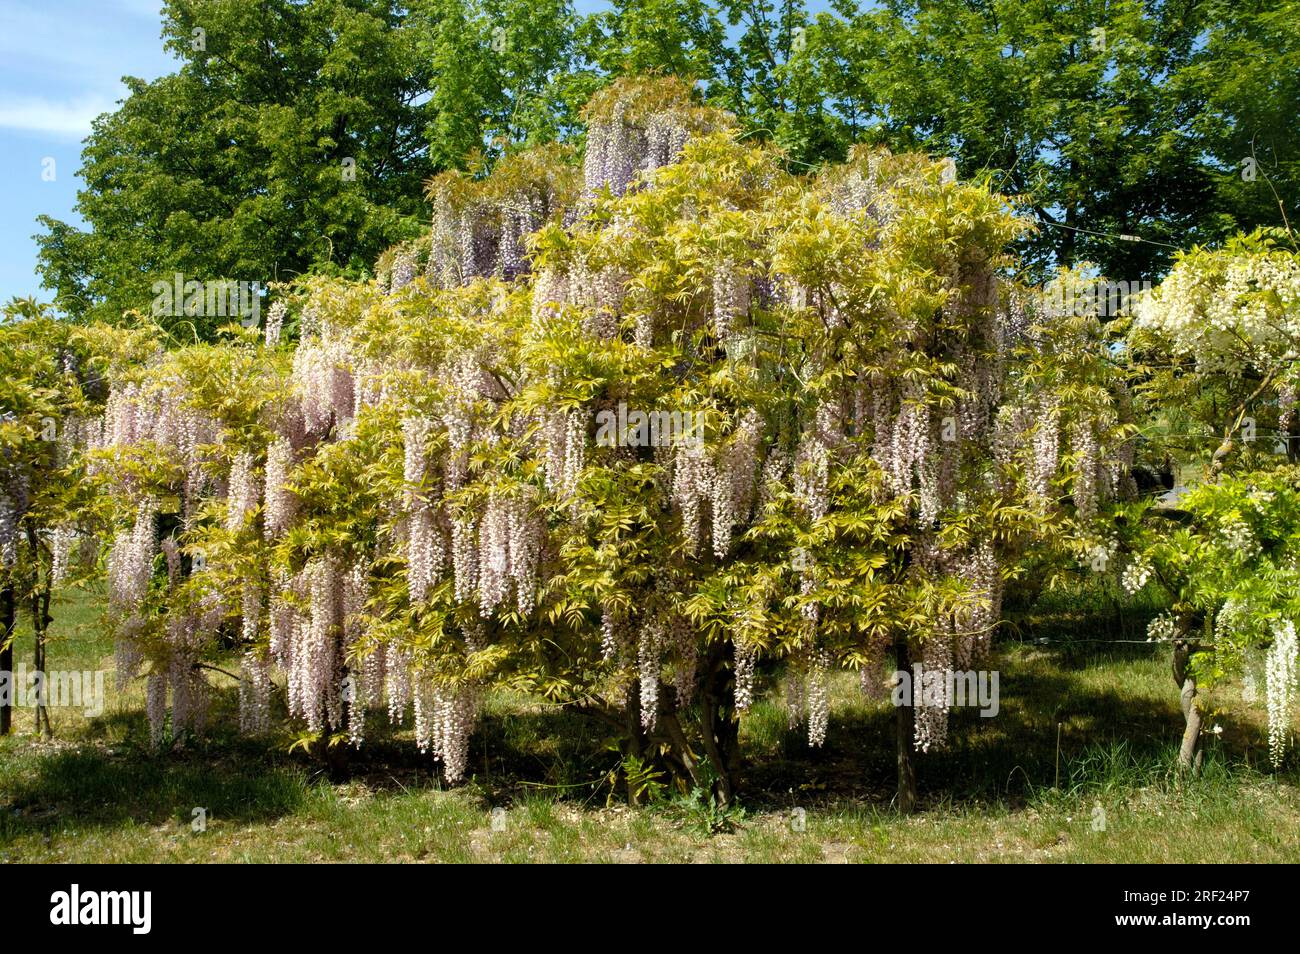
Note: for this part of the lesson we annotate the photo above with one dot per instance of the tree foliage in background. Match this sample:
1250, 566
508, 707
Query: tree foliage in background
1239, 96
234, 167
1068, 105
1132, 118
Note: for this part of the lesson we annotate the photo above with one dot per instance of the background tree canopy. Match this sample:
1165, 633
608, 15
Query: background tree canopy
1153, 119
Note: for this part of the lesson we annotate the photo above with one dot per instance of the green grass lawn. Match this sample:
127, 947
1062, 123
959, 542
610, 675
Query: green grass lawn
1003, 791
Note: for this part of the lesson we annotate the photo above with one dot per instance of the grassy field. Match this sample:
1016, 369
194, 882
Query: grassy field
1005, 791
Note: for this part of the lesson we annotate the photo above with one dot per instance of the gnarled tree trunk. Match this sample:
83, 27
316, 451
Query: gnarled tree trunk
719, 729
1189, 752
905, 733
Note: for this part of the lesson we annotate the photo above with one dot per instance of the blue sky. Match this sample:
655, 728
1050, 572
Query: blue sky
61, 64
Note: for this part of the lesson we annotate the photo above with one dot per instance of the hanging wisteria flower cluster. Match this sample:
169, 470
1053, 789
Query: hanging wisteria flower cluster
1135, 575
634, 128
481, 225
1281, 671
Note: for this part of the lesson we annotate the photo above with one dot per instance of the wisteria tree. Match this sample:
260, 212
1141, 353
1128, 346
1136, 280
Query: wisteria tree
626, 440
1216, 354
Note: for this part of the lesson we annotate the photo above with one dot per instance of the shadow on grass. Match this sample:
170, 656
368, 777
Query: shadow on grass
1056, 731
95, 784
556, 751
1104, 732
1004, 759
1106, 737
110, 777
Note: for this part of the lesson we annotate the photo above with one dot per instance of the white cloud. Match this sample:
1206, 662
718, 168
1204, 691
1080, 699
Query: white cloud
149, 9
67, 118
89, 45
